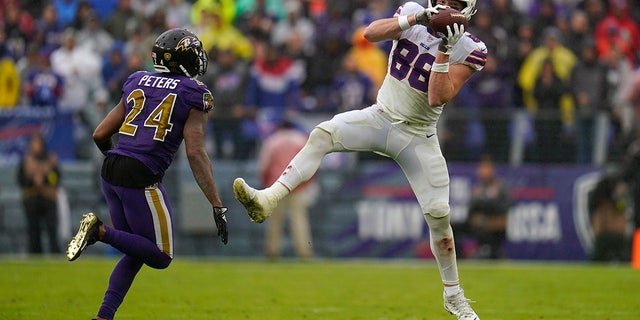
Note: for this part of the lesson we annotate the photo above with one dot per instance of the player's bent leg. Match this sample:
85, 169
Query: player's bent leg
306, 163
260, 203
138, 247
88, 234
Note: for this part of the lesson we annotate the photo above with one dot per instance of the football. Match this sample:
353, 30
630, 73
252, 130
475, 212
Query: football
447, 17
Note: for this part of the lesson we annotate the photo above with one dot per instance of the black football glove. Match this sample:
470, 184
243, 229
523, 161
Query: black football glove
221, 223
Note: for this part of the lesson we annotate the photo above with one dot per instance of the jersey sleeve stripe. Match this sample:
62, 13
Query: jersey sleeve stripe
479, 54
398, 11
477, 57
479, 62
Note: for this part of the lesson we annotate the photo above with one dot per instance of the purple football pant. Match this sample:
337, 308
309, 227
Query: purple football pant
142, 230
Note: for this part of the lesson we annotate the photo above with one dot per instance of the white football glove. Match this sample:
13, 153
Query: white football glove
451, 38
423, 17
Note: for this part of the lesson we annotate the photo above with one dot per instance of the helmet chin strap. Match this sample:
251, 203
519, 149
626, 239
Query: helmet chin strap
186, 73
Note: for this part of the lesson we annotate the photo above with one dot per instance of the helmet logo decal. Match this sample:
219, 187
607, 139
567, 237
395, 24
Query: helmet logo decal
167, 56
188, 44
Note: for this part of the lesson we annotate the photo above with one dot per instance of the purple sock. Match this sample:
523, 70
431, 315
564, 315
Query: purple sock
119, 283
138, 247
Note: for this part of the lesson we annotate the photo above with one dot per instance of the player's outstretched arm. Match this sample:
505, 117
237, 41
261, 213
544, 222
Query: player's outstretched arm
445, 81
108, 127
386, 29
391, 28
201, 168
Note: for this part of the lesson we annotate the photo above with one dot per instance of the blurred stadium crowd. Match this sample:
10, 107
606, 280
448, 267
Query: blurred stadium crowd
559, 85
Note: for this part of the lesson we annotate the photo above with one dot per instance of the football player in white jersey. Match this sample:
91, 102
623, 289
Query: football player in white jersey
425, 71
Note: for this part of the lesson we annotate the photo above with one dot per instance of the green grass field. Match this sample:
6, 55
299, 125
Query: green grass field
325, 289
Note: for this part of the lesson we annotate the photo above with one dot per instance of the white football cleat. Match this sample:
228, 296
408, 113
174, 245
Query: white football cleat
259, 207
458, 305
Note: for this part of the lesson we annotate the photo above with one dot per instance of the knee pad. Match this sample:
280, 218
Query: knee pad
438, 209
320, 138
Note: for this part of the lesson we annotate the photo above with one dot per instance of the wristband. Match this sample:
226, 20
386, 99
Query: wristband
440, 67
403, 21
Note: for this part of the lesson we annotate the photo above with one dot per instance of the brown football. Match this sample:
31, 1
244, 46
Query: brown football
447, 17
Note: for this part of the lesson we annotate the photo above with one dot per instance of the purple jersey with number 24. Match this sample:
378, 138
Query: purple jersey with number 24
157, 106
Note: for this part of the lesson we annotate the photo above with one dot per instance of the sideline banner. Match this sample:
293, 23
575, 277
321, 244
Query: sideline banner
18, 124
548, 221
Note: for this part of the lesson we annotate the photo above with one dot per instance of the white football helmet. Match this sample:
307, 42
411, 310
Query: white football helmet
468, 11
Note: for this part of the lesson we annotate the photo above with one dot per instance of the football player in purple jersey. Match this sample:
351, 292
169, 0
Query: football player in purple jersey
157, 111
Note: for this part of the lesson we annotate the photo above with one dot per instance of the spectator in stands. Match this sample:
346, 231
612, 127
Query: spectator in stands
371, 60
618, 30
631, 95
66, 10
157, 21
93, 35
18, 26
595, 10
84, 13
630, 173
590, 89
619, 74
552, 136
32, 7
178, 14
608, 203
486, 94
294, 48
9, 78
122, 20
493, 35
352, 88
42, 85
562, 60
543, 15
335, 24
318, 83
39, 176
488, 210
216, 33
580, 32
368, 11
520, 47
504, 14
294, 22
81, 69
137, 41
103, 8
48, 33
134, 62
274, 9
228, 79
226, 8
276, 153
273, 91
147, 8
257, 18
114, 65
371, 11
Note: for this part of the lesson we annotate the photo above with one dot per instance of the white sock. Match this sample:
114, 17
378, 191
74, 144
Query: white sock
452, 290
276, 191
